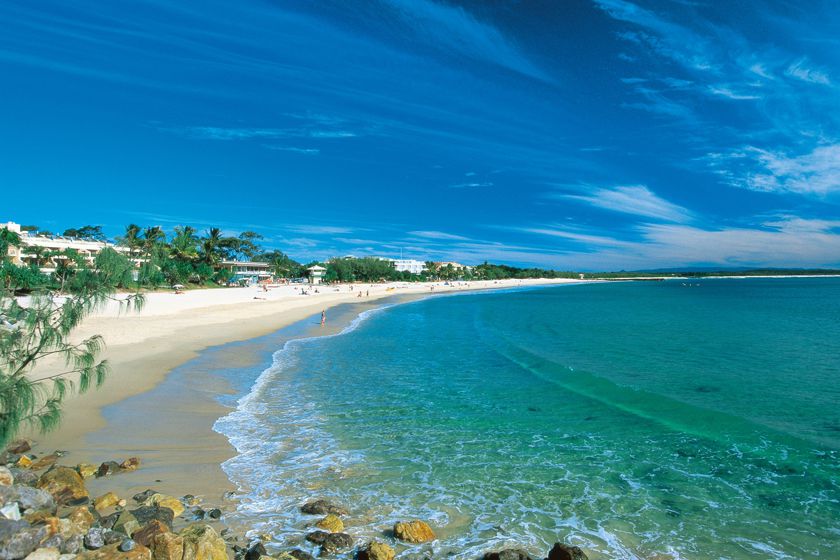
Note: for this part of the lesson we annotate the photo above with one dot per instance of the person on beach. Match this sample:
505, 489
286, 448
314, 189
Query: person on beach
323, 317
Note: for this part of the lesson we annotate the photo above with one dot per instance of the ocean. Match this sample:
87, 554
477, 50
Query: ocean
643, 420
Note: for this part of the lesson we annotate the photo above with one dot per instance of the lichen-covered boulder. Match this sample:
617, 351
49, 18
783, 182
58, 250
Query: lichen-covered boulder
147, 533
105, 501
167, 546
414, 531
202, 542
376, 550
331, 523
64, 484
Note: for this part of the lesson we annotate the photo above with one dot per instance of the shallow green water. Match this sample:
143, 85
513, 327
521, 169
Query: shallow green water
691, 420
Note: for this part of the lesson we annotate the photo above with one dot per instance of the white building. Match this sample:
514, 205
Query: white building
408, 265
249, 272
316, 274
35, 248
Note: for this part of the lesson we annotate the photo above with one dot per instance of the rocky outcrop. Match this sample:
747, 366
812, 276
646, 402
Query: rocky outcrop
201, 542
105, 501
65, 485
167, 546
376, 550
331, 523
561, 551
322, 507
414, 531
330, 543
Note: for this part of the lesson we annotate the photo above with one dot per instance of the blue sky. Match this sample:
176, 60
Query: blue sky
598, 134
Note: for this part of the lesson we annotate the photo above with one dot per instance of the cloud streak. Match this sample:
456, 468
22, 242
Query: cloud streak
637, 200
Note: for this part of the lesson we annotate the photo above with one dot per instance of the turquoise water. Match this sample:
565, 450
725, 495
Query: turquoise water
637, 420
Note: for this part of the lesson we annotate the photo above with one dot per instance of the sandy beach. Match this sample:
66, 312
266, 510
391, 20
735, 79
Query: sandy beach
169, 425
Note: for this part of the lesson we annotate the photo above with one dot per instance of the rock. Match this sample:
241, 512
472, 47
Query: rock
108, 521
113, 537
335, 542
81, 520
73, 544
19, 538
255, 551
11, 511
322, 507
32, 499
331, 523
64, 484
508, 554
105, 501
55, 541
300, 554
376, 550
146, 535
44, 462
71, 556
214, 513
167, 546
44, 553
6, 477
108, 468
127, 545
414, 531
285, 556
24, 477
19, 447
126, 523
563, 552
130, 464
112, 552
165, 501
24, 462
95, 538
144, 495
86, 470
145, 514
201, 542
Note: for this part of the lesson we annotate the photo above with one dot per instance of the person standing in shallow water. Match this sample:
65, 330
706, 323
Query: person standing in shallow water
323, 317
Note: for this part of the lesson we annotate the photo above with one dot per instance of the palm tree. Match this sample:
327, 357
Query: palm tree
210, 246
183, 245
131, 239
152, 236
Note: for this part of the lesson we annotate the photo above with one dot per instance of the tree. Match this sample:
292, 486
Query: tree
8, 239
132, 239
39, 331
184, 244
209, 251
88, 233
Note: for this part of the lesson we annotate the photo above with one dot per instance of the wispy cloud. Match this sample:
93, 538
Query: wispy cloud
726, 92
471, 185
633, 199
321, 230
786, 243
802, 70
812, 173
245, 133
438, 235
293, 149
457, 30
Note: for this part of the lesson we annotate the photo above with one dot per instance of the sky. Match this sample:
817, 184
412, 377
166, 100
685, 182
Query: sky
576, 135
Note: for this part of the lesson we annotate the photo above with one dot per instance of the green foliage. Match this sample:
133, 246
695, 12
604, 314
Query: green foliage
88, 233
37, 331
